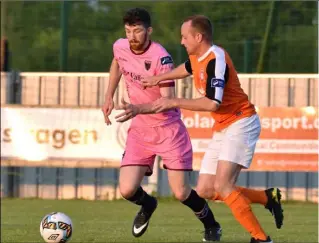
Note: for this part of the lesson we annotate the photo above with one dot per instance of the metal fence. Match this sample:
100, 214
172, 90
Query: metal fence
100, 182
87, 89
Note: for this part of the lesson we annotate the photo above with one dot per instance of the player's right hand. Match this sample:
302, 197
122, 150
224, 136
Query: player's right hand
129, 112
150, 81
107, 109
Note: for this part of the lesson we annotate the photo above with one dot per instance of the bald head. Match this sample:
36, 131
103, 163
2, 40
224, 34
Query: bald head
200, 24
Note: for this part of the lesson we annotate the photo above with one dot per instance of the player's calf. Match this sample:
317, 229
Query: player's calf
202, 211
181, 195
206, 193
142, 218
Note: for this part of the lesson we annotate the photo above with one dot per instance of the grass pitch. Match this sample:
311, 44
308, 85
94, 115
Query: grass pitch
111, 221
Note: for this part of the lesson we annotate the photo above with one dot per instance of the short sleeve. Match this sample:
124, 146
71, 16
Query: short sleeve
116, 48
217, 75
165, 64
188, 66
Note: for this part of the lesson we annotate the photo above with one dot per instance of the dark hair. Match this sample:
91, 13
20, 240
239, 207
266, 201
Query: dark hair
203, 25
137, 16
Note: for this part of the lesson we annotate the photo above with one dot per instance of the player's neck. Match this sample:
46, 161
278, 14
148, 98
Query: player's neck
146, 46
203, 49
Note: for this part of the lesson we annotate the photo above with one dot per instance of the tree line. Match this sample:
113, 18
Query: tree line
33, 30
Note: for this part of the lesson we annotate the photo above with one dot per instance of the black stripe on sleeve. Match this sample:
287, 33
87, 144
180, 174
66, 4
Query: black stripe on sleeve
188, 66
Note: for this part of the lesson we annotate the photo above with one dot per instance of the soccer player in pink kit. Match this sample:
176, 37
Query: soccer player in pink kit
162, 134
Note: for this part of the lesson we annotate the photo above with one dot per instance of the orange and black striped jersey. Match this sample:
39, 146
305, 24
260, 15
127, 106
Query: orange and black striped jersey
216, 78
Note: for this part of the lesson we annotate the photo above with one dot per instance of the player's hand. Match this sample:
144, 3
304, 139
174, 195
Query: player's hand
129, 111
107, 109
150, 81
164, 104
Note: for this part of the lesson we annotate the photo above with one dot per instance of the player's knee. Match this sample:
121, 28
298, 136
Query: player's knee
218, 186
182, 194
222, 187
205, 192
127, 191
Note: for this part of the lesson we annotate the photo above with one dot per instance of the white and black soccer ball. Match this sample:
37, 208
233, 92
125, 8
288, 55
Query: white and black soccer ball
56, 227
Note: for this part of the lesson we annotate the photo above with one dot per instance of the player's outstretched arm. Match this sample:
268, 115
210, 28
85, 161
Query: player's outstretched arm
114, 79
176, 73
164, 104
129, 110
200, 104
167, 91
214, 92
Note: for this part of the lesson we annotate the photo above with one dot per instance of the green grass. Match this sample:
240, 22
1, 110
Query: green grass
103, 221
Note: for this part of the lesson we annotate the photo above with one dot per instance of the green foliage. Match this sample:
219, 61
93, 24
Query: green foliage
34, 33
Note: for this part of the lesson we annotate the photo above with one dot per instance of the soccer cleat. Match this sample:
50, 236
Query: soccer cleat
212, 234
142, 220
274, 205
268, 240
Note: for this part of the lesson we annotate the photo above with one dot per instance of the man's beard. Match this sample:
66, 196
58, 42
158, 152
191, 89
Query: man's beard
138, 46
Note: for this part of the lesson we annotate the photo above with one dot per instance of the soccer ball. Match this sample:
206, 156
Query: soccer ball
56, 227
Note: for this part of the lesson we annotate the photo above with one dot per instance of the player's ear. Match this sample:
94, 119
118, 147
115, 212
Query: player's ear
149, 30
199, 37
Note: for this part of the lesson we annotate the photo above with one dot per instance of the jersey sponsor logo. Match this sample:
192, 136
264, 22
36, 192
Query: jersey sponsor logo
147, 64
215, 82
166, 60
133, 76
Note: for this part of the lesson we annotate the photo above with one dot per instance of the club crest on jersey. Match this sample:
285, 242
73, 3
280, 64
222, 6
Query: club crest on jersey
147, 65
166, 60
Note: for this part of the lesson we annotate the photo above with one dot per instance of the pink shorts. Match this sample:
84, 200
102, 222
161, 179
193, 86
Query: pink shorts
171, 142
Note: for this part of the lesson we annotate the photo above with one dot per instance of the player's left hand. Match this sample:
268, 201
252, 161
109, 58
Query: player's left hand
129, 111
164, 104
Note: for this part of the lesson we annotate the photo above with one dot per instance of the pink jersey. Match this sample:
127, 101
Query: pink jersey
154, 61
